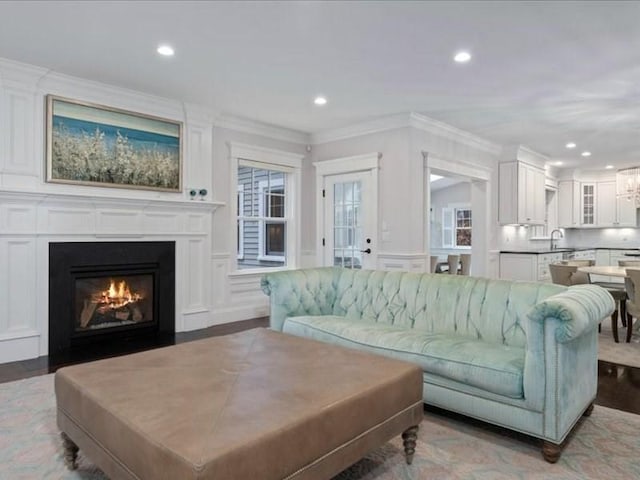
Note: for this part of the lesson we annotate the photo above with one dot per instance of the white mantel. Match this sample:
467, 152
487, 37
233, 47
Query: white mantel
29, 221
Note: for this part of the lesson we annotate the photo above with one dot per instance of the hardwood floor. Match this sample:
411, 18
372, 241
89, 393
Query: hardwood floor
618, 385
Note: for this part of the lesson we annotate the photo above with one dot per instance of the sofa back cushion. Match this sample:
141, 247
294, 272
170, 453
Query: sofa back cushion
492, 310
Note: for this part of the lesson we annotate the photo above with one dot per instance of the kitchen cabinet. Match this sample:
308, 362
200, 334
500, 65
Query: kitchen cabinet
569, 204
627, 212
593, 205
612, 211
583, 255
532, 267
521, 194
588, 207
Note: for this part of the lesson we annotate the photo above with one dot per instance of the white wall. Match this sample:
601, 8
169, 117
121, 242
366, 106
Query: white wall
403, 192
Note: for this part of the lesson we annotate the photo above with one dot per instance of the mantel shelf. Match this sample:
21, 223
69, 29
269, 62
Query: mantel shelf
9, 194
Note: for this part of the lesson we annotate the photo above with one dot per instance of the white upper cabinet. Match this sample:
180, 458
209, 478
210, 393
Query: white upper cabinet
588, 205
627, 212
606, 205
569, 204
593, 204
522, 194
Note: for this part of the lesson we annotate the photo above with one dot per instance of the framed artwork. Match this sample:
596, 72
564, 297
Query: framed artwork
90, 144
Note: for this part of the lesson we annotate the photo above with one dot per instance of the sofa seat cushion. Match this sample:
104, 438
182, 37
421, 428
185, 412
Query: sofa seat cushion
492, 367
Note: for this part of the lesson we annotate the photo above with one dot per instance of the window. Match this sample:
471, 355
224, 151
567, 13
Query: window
262, 217
264, 230
456, 227
463, 227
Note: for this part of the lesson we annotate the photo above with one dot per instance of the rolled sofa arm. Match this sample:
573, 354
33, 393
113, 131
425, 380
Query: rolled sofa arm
299, 292
578, 309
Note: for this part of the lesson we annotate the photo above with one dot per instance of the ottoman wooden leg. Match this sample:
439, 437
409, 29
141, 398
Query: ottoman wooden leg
409, 437
70, 452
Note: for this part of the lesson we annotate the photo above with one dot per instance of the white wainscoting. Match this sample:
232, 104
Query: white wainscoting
30, 221
236, 295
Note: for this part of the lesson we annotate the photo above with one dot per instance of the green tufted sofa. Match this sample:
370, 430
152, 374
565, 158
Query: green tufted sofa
517, 354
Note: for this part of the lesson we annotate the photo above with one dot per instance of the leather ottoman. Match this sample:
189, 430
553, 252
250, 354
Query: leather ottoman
253, 405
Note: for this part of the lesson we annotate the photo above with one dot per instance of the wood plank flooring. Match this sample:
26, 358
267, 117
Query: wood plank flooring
618, 385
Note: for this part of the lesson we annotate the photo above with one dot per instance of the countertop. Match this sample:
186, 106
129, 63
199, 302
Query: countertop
542, 251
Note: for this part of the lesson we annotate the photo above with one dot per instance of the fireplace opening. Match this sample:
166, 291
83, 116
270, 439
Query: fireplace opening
105, 295
113, 301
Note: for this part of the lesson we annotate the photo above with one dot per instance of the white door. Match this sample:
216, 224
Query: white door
350, 214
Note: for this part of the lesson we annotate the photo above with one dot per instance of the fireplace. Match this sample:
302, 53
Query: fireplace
105, 294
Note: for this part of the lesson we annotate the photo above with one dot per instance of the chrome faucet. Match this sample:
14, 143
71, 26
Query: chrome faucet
553, 245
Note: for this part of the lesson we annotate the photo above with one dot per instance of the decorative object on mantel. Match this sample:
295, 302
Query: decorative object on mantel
628, 180
90, 144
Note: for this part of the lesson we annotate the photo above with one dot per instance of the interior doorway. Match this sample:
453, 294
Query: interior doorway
457, 202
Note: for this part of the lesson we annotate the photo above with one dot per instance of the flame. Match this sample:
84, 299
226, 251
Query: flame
118, 295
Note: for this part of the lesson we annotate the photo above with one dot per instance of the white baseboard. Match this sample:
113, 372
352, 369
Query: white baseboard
20, 348
237, 313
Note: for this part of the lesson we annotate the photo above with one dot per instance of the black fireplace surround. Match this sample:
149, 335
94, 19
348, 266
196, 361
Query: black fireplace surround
80, 263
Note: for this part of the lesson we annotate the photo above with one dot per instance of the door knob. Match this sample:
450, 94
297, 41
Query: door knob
368, 250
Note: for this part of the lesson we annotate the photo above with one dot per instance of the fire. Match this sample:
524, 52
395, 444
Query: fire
119, 295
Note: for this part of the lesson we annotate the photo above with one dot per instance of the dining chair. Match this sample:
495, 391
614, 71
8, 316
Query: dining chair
632, 285
465, 263
434, 263
619, 294
453, 261
563, 274
629, 263
567, 274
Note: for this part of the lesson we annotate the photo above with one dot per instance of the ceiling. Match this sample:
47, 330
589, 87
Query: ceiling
542, 74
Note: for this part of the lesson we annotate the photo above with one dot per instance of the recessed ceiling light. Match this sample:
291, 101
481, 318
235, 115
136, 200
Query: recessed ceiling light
609, 167
570, 145
166, 50
320, 100
462, 57
433, 177
586, 154
558, 163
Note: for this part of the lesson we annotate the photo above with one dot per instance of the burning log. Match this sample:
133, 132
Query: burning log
87, 312
116, 304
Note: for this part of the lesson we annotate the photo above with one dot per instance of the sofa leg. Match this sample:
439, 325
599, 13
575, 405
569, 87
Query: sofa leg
409, 437
589, 410
70, 452
551, 451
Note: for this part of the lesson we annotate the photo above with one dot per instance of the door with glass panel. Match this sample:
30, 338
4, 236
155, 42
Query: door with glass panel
349, 218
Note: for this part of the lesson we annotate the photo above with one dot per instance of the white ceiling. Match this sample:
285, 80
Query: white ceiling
542, 74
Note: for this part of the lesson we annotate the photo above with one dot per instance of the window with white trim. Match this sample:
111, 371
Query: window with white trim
456, 227
262, 216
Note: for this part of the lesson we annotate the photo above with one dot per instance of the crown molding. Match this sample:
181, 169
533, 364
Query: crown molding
20, 75
435, 127
405, 120
525, 154
241, 124
376, 125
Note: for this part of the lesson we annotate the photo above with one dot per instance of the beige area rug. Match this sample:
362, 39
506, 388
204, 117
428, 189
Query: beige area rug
621, 353
604, 446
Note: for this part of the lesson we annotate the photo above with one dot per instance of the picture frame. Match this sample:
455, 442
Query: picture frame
97, 145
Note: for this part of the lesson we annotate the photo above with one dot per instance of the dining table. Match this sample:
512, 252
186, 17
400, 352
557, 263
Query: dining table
617, 290
605, 270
